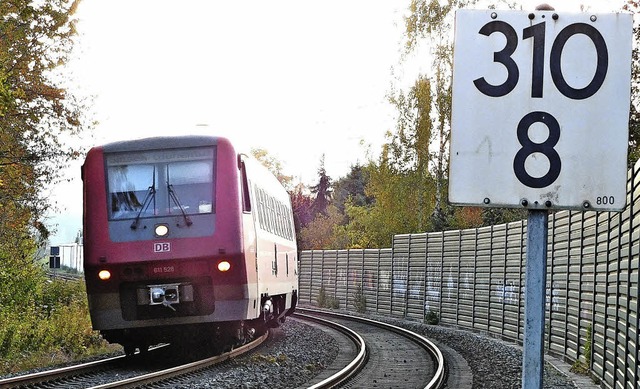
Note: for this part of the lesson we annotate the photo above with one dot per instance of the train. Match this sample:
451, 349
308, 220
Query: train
186, 240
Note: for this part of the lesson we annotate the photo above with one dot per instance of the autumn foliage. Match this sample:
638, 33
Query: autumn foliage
37, 118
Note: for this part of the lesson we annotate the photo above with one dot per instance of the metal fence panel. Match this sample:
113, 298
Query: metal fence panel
466, 281
416, 268
433, 287
385, 283
370, 282
450, 275
342, 279
513, 291
482, 280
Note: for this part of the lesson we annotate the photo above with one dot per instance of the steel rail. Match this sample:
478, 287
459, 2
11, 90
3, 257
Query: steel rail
50, 375
439, 378
183, 369
353, 367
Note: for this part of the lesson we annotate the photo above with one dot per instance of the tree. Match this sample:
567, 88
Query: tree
320, 232
274, 165
322, 191
634, 117
400, 203
37, 116
433, 20
301, 205
352, 188
409, 149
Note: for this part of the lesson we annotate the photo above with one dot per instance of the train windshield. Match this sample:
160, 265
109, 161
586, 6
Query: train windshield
160, 183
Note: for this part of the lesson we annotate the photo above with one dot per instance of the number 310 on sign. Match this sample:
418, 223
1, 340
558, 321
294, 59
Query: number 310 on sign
540, 109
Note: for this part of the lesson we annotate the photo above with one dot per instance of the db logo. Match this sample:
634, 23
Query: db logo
161, 247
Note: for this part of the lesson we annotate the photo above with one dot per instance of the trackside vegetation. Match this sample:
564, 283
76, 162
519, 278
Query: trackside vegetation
49, 325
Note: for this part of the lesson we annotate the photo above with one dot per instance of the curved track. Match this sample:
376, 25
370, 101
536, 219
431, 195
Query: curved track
119, 372
393, 357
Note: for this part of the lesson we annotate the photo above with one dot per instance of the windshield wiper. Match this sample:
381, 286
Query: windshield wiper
151, 196
174, 197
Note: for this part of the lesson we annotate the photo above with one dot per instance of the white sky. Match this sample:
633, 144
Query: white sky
297, 78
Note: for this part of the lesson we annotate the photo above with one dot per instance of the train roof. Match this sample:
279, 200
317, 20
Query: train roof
162, 142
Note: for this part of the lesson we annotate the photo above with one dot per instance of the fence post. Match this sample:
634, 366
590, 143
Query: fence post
504, 278
458, 277
393, 257
406, 289
346, 294
378, 281
441, 276
475, 271
629, 279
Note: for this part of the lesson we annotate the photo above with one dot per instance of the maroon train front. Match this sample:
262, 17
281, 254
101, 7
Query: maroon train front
185, 240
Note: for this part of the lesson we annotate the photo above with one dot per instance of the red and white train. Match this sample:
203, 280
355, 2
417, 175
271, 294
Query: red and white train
184, 240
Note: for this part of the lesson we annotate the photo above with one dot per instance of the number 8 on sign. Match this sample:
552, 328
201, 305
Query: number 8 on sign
546, 148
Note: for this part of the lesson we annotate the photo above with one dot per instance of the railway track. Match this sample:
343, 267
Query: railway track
384, 355
121, 372
372, 354
63, 275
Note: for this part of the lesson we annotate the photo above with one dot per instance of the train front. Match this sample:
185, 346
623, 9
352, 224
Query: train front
162, 238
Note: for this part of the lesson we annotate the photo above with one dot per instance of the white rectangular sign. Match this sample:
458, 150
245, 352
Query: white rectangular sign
540, 109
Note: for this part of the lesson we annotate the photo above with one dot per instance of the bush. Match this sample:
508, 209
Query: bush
322, 298
578, 366
325, 301
432, 317
359, 301
52, 323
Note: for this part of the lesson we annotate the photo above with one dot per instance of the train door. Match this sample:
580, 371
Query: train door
250, 244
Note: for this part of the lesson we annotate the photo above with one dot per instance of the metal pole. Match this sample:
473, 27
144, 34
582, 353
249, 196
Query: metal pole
534, 295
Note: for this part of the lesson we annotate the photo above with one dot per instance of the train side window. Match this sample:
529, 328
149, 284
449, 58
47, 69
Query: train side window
265, 213
246, 200
264, 222
288, 218
260, 205
281, 219
270, 220
276, 216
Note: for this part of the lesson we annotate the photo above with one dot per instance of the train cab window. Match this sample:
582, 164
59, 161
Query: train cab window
189, 187
160, 183
131, 190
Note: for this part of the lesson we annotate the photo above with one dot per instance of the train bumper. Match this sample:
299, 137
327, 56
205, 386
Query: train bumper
108, 312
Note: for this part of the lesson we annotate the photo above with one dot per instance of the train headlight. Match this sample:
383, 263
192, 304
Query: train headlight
224, 266
161, 230
104, 275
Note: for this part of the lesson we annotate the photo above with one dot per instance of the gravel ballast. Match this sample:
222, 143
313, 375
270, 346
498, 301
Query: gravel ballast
296, 352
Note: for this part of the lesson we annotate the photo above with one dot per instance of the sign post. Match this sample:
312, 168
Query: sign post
540, 111
534, 300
